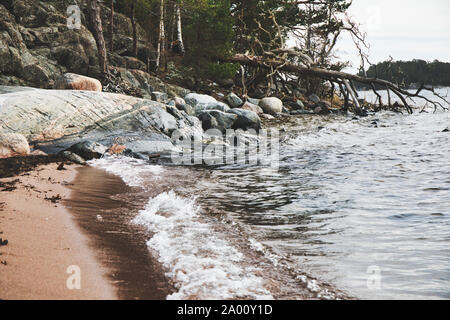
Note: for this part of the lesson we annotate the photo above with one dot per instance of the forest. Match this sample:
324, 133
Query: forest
412, 74
267, 47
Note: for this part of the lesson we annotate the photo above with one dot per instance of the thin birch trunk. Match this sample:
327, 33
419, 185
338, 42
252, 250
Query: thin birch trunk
179, 30
161, 41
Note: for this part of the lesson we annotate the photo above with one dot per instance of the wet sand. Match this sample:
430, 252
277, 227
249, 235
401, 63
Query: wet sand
86, 225
44, 241
103, 206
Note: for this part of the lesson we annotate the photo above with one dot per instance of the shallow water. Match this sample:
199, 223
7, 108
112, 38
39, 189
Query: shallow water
362, 204
365, 208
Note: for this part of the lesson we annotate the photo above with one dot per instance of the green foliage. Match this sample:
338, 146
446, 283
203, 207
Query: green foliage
218, 28
208, 34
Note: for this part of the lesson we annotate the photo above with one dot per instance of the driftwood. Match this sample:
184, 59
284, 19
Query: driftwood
342, 79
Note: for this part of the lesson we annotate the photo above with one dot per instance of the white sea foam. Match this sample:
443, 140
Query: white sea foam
132, 171
201, 264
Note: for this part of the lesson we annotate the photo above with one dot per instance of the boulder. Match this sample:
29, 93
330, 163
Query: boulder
54, 120
271, 105
72, 81
187, 108
195, 99
181, 105
38, 153
208, 121
203, 102
88, 149
322, 108
252, 107
212, 106
299, 104
233, 100
73, 157
214, 119
246, 119
179, 102
253, 100
314, 98
160, 97
13, 144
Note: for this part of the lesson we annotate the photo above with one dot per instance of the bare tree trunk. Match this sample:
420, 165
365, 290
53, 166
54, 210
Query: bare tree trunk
97, 30
133, 24
352, 93
111, 26
160, 58
179, 31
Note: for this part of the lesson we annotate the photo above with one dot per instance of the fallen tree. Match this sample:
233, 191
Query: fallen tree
276, 64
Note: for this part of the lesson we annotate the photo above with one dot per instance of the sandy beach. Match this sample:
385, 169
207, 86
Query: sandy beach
44, 242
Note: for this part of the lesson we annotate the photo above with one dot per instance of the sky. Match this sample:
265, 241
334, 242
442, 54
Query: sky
403, 29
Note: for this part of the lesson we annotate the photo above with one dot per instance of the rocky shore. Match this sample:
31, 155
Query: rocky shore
56, 111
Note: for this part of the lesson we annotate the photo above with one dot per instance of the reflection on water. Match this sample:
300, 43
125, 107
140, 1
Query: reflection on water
349, 196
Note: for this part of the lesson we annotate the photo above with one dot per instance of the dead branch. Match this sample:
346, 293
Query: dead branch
333, 76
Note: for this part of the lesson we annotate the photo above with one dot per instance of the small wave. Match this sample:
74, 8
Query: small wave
200, 263
132, 171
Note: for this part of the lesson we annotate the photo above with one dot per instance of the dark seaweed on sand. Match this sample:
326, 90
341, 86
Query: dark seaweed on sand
11, 167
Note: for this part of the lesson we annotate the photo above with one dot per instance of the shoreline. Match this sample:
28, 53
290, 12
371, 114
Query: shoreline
102, 205
44, 241
90, 228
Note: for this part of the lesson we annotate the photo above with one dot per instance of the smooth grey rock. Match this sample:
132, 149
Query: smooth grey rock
233, 100
252, 107
195, 99
267, 116
246, 119
322, 107
57, 119
212, 106
300, 104
88, 149
208, 120
314, 98
254, 100
160, 97
214, 119
42, 115
73, 157
179, 102
187, 108
136, 155
271, 105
